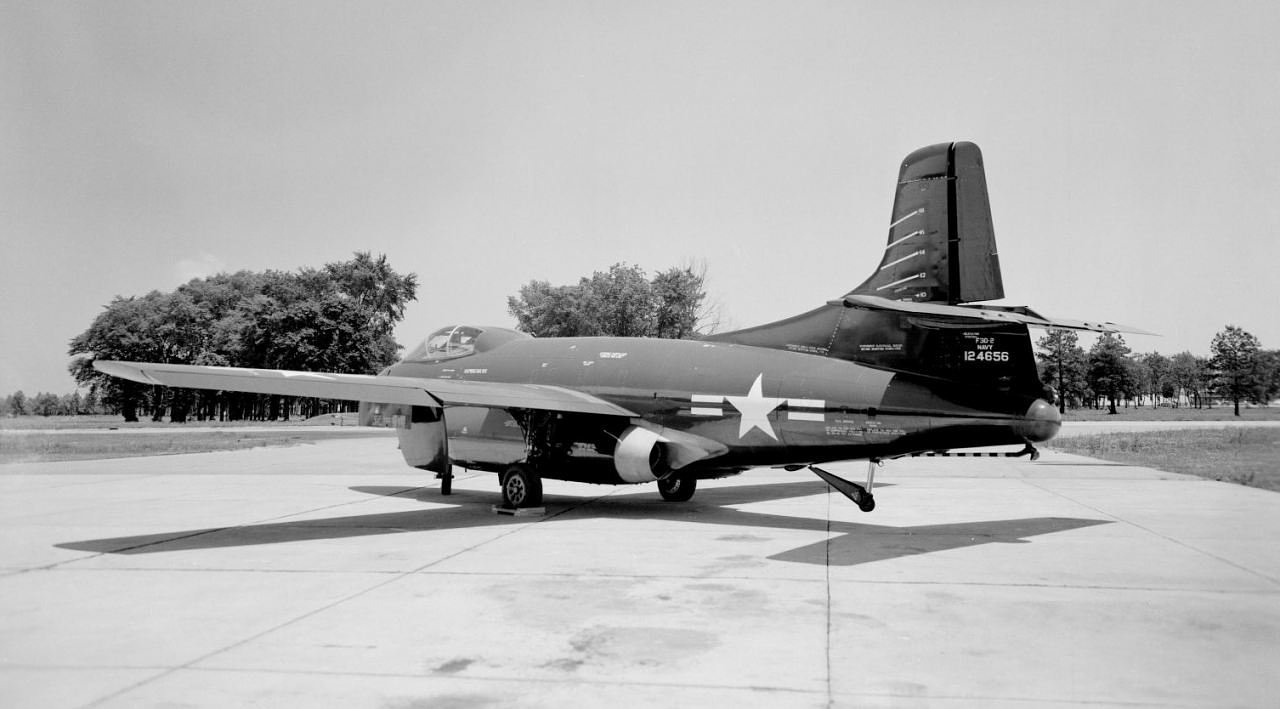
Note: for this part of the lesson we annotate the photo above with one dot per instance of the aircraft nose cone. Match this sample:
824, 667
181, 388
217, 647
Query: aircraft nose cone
1040, 423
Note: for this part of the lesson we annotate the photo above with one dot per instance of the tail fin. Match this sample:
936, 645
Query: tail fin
908, 316
941, 245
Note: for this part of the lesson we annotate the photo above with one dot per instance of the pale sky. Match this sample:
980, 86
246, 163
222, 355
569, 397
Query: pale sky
1132, 151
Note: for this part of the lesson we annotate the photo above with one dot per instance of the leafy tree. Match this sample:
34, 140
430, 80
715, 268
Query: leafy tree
70, 404
1156, 376
338, 318
620, 302
1135, 384
1110, 373
544, 310
1205, 381
1268, 376
45, 404
1063, 366
1187, 373
17, 403
121, 331
1234, 362
376, 287
322, 332
89, 403
679, 295
623, 301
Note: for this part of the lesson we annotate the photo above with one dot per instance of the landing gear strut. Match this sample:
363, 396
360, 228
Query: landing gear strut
861, 495
521, 483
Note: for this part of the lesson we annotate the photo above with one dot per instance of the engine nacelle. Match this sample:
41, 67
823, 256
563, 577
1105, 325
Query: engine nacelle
641, 455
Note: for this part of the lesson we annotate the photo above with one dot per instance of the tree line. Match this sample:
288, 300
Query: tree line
48, 404
1237, 370
337, 318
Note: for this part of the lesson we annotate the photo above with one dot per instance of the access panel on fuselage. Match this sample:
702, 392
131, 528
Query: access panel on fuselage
842, 405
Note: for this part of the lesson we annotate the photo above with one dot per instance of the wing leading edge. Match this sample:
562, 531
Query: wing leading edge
363, 387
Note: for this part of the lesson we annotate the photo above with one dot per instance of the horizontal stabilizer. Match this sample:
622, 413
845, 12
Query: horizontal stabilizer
363, 387
996, 313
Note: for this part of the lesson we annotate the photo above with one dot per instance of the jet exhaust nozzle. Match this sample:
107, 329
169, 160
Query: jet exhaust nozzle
1041, 422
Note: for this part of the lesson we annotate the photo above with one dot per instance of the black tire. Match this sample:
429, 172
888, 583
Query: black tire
677, 488
521, 487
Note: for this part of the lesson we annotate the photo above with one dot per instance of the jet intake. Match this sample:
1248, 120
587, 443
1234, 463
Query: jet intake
641, 455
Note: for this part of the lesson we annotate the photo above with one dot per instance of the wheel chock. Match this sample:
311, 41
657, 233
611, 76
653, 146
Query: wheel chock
519, 511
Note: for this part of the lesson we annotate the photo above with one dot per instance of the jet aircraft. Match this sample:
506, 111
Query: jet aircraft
903, 364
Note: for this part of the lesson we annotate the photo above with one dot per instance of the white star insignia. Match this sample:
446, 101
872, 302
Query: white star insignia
755, 409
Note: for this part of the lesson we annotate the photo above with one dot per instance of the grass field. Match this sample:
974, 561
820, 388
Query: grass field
1164, 413
39, 439
1245, 455
112, 422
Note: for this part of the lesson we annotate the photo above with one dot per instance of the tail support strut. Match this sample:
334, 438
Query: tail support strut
859, 494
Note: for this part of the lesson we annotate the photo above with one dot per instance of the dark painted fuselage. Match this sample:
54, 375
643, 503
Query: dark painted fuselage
765, 406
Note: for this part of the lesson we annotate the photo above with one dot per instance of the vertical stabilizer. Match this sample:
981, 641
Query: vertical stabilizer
941, 245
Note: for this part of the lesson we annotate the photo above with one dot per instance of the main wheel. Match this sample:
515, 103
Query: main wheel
521, 487
677, 488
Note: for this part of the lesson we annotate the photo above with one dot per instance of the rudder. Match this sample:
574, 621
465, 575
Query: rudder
941, 245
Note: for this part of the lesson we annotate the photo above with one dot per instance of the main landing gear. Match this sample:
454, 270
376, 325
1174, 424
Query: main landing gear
860, 494
521, 487
677, 488
549, 438
521, 483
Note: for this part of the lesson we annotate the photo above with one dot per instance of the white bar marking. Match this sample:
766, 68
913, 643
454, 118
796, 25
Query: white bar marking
911, 255
918, 276
892, 244
707, 398
807, 403
805, 416
704, 411
907, 216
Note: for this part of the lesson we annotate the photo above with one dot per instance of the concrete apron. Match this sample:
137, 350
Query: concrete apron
331, 575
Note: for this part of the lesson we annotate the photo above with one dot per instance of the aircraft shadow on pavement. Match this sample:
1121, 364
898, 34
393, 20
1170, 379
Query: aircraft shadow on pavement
853, 543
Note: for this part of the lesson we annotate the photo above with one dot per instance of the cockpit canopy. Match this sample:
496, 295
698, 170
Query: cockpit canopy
456, 341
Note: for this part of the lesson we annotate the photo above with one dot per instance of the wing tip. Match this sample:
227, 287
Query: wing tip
124, 370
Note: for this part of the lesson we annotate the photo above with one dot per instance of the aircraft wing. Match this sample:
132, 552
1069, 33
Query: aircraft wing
990, 312
363, 387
